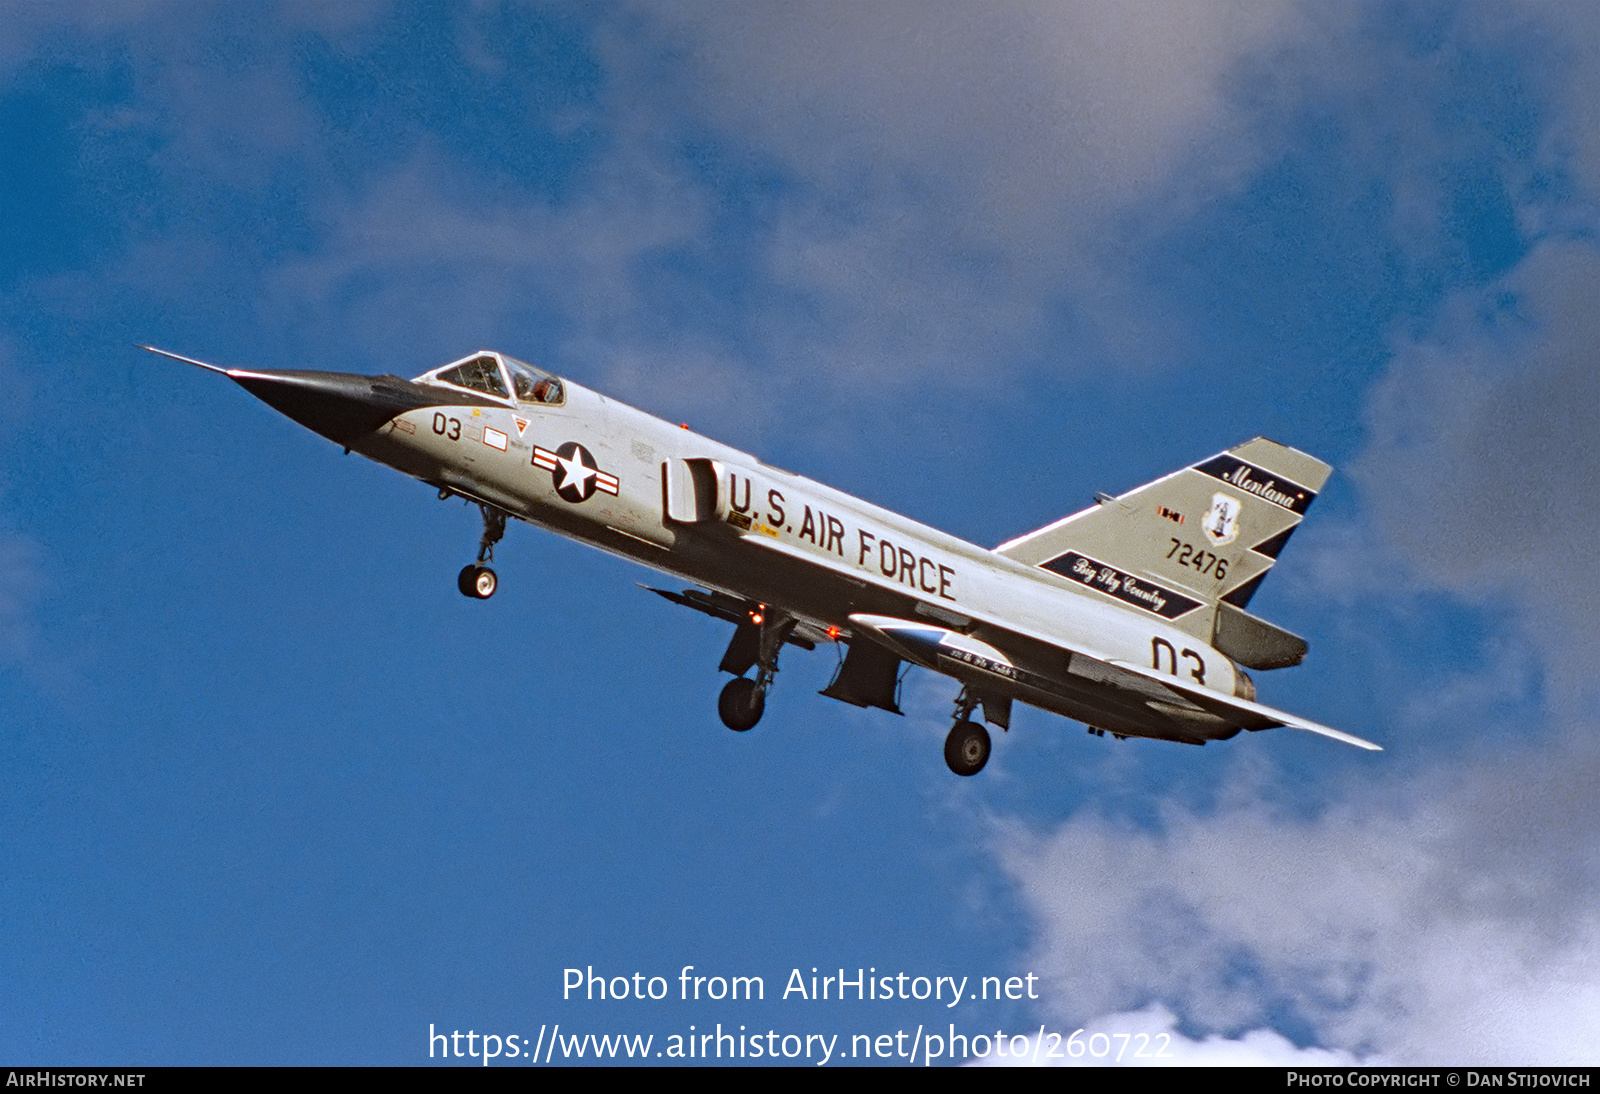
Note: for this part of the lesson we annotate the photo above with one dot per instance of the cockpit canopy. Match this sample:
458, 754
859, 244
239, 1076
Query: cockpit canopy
498, 376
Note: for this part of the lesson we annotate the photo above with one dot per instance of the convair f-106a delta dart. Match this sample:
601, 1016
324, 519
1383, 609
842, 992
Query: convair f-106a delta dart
1128, 616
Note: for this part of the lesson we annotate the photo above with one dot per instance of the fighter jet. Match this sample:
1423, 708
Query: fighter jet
1128, 616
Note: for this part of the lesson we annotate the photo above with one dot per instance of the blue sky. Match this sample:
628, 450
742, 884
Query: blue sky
272, 791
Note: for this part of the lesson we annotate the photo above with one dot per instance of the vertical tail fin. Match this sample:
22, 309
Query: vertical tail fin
1190, 542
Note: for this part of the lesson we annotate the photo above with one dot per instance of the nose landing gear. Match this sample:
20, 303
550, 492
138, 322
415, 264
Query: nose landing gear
479, 581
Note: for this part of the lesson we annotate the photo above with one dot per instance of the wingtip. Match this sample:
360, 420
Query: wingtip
1335, 735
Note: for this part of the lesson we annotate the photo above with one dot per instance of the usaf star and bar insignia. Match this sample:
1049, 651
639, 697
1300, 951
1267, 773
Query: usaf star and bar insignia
574, 472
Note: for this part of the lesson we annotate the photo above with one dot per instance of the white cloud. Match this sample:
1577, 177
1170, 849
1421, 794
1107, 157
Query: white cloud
1574, 135
220, 87
1480, 469
424, 257
1449, 921
958, 170
25, 28
1033, 107
902, 245
1151, 1038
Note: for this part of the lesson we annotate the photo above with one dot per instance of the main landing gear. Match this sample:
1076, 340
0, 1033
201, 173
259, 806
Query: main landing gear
756, 643
966, 749
479, 581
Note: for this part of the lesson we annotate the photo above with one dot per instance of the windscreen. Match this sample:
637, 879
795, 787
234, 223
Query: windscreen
481, 373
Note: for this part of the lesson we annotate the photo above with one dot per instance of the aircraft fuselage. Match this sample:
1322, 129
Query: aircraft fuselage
785, 541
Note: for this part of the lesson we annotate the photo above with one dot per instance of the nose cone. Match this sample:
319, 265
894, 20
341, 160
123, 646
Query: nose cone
342, 407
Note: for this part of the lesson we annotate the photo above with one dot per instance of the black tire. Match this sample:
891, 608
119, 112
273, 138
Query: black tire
741, 704
466, 581
966, 750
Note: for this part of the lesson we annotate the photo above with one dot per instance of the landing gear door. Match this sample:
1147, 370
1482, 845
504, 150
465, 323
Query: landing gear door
693, 496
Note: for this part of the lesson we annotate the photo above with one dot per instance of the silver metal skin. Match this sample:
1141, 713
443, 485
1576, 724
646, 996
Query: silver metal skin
1128, 616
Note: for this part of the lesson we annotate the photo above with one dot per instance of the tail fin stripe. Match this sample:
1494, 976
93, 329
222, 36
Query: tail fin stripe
1271, 547
1140, 592
1263, 484
1240, 597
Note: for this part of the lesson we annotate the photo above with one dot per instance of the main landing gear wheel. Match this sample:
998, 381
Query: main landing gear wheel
966, 750
477, 582
741, 704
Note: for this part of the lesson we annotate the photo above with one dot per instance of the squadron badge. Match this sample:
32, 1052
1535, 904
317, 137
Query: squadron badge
1221, 521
